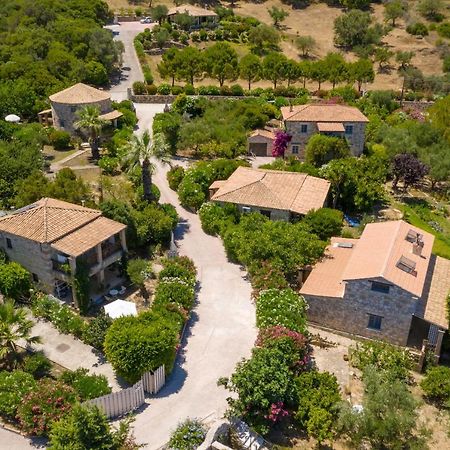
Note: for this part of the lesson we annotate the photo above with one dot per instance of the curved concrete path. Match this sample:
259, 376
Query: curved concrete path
221, 332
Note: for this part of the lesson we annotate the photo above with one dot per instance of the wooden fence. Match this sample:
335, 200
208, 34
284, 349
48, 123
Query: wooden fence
154, 381
119, 403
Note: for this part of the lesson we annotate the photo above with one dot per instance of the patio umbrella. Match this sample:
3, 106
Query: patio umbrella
119, 308
12, 118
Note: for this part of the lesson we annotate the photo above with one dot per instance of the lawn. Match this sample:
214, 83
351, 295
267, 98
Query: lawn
421, 217
55, 156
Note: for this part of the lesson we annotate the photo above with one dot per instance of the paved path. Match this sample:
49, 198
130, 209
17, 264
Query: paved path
71, 353
126, 32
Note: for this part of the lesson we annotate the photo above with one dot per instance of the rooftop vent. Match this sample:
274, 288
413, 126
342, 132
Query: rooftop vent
414, 236
344, 245
407, 265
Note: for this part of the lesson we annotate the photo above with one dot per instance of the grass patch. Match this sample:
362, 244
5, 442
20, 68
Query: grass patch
423, 217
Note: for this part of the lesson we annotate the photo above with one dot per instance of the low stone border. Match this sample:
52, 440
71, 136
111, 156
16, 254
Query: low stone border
158, 98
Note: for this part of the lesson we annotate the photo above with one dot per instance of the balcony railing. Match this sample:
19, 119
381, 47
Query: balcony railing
109, 248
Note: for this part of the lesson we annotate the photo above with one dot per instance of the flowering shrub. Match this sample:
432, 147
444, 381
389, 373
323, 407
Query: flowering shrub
13, 387
277, 412
175, 290
49, 402
175, 176
266, 276
393, 361
293, 345
281, 307
188, 435
180, 267
280, 144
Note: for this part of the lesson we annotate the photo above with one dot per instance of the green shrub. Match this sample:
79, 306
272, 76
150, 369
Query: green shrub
436, 384
95, 332
180, 267
14, 281
164, 89
191, 194
237, 90
175, 176
318, 399
265, 276
264, 386
444, 29
321, 149
86, 427
189, 89
281, 307
395, 363
139, 88
148, 76
176, 90
417, 29
215, 219
87, 386
14, 386
151, 89
108, 164
37, 365
44, 405
325, 222
188, 435
60, 139
174, 290
135, 345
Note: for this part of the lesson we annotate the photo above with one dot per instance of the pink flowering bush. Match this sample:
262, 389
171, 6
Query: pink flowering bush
48, 403
282, 140
294, 346
277, 412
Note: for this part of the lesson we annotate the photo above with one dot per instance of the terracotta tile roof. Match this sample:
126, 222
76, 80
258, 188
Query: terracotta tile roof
331, 126
320, 112
111, 115
326, 277
381, 247
47, 220
264, 133
194, 11
88, 236
79, 94
217, 184
288, 191
433, 306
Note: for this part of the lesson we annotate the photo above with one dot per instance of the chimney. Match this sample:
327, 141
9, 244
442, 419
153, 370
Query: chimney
418, 247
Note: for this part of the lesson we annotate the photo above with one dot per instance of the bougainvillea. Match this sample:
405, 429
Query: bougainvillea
48, 403
280, 144
294, 345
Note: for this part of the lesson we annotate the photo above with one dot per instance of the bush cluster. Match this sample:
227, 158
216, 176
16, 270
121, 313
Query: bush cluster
14, 386
436, 385
86, 386
188, 435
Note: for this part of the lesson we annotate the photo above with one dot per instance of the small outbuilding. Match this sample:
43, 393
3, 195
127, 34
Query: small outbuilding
66, 104
260, 142
201, 16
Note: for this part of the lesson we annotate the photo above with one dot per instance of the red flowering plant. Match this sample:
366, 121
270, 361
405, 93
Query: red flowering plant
295, 346
48, 403
277, 412
280, 144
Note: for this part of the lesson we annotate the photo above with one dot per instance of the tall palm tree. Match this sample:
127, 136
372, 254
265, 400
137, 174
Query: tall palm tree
139, 152
89, 119
14, 326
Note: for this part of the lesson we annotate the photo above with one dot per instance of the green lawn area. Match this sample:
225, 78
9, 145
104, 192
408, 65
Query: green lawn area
56, 155
421, 218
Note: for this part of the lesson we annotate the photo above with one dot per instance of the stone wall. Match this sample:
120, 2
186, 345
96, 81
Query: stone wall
355, 141
35, 257
275, 214
351, 313
65, 115
171, 98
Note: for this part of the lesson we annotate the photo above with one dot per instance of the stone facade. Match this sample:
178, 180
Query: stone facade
65, 115
260, 145
299, 139
351, 313
273, 214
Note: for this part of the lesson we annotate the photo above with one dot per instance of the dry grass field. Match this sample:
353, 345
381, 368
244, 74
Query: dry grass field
317, 21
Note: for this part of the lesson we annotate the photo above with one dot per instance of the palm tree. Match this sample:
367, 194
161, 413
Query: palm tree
14, 326
89, 119
140, 151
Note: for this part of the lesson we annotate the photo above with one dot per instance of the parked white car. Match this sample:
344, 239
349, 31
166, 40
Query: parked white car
146, 20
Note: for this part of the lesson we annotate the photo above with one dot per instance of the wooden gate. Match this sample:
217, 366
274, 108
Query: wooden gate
154, 381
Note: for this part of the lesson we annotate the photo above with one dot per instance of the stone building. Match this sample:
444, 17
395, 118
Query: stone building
260, 142
275, 194
50, 237
303, 121
385, 285
201, 17
66, 104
